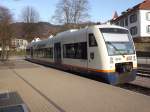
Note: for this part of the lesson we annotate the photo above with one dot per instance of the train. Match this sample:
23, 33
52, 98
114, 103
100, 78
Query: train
106, 51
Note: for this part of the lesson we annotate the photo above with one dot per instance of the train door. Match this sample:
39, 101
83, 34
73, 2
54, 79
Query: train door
57, 53
92, 51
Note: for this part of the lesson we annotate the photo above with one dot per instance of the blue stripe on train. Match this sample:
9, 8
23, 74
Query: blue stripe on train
113, 78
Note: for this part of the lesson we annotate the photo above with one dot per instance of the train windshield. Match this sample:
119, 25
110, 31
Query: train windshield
118, 41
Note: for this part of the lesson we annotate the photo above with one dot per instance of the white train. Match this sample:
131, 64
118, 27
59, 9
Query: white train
104, 50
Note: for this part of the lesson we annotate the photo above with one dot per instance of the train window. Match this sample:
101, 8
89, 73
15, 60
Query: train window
114, 30
51, 52
45, 52
40, 52
31, 52
92, 41
48, 52
75, 50
69, 51
81, 52
36, 53
50, 55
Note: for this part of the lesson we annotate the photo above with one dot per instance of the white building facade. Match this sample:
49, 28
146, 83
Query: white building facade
144, 23
19, 44
137, 20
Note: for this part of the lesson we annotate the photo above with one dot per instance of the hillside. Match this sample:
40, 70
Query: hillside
45, 29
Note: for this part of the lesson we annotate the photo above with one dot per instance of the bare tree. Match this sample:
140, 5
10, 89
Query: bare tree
80, 10
30, 18
30, 15
71, 11
5, 32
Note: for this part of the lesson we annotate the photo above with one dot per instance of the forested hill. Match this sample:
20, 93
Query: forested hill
45, 29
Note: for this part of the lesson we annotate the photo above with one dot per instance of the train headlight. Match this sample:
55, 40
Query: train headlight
111, 60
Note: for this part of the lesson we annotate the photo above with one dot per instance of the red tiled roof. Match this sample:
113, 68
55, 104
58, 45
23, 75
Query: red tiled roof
145, 5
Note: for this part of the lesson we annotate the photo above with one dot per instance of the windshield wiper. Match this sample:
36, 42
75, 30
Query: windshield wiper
115, 48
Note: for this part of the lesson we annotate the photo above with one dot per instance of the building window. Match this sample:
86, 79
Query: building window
148, 29
122, 23
148, 16
75, 50
126, 21
117, 23
92, 41
133, 18
133, 30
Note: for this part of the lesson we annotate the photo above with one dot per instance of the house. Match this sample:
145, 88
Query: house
19, 44
137, 20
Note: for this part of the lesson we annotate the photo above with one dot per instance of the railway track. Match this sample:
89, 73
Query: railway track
136, 88
144, 73
141, 84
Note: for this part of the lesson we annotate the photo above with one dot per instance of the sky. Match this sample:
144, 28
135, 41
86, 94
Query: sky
100, 10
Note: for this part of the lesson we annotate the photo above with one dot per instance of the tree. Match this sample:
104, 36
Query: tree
71, 11
30, 18
5, 31
30, 15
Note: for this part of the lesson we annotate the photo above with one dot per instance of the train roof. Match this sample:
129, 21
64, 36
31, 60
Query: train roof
39, 44
45, 43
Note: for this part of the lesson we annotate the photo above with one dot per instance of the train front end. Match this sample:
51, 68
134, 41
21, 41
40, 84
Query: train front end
121, 55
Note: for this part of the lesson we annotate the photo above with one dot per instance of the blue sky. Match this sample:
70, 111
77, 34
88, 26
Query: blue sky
100, 10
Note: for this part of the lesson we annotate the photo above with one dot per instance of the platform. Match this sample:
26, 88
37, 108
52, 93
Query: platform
44, 89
